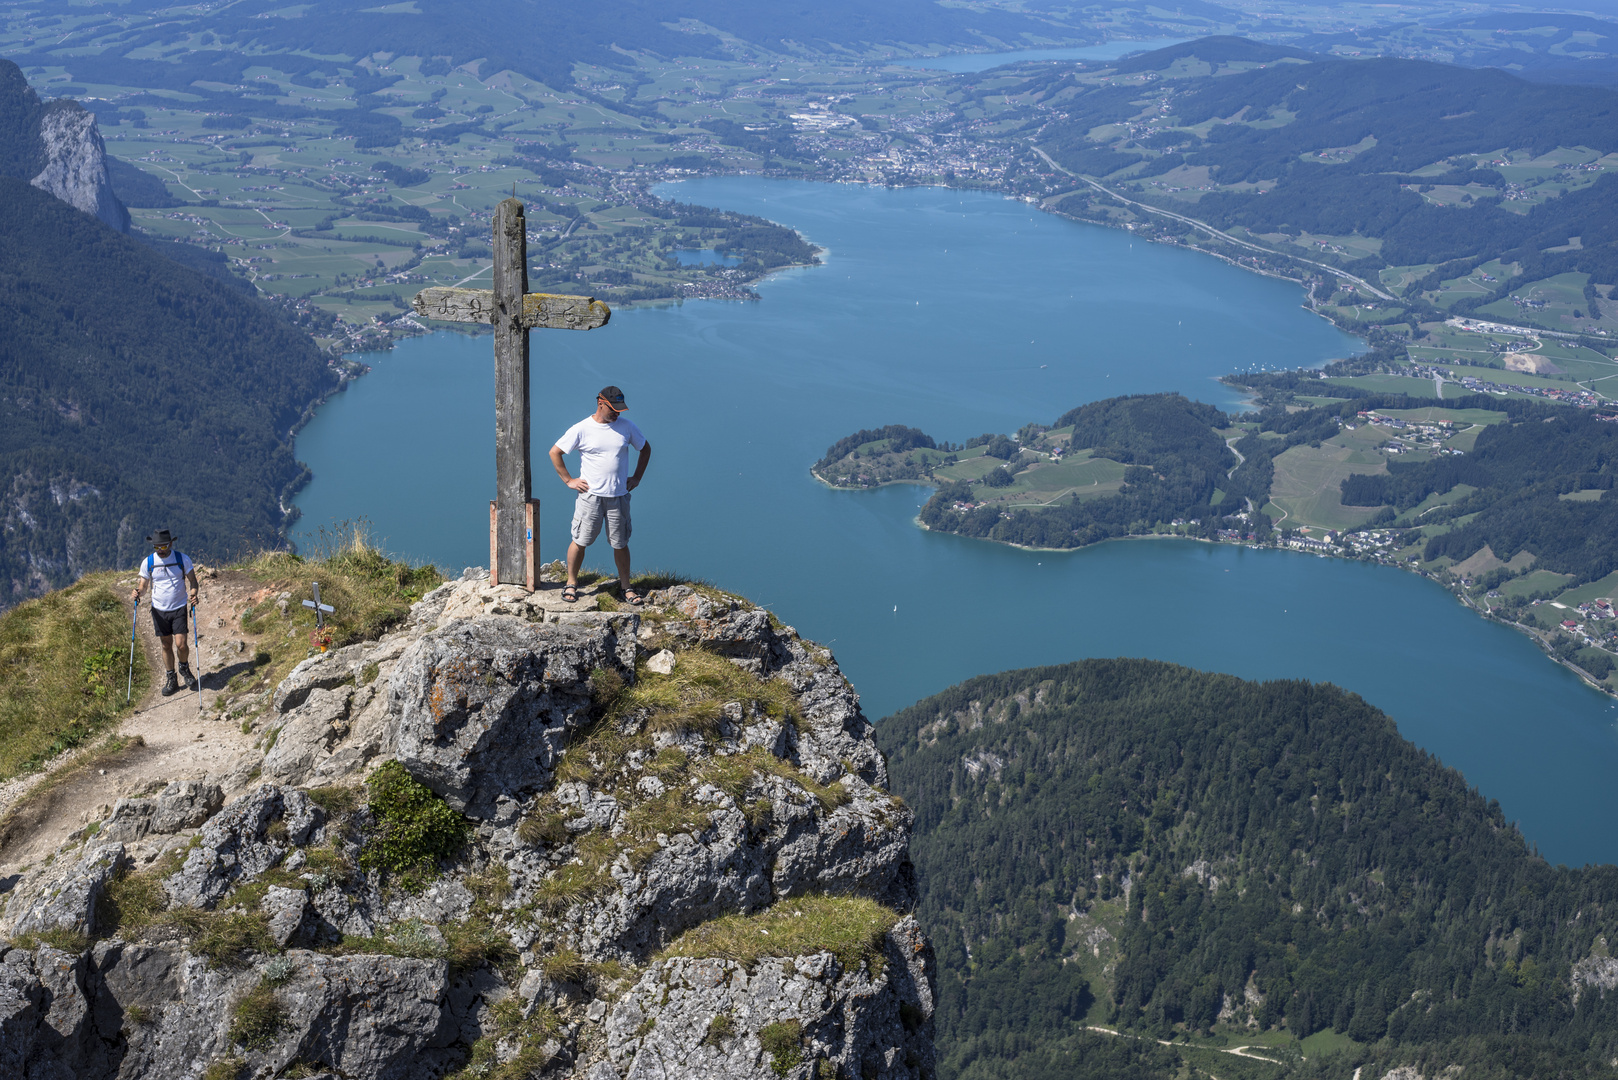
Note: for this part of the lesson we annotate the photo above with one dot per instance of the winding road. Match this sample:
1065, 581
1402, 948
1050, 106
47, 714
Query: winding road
1211, 231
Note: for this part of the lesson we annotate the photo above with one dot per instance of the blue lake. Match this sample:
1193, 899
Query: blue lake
962, 314
704, 257
1111, 50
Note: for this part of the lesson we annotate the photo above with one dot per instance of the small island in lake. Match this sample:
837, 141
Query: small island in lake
1107, 469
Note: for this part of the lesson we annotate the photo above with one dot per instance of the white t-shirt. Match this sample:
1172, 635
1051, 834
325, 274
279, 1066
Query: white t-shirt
168, 579
603, 453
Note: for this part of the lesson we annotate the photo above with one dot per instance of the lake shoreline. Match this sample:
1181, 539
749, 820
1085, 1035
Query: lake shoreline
1532, 633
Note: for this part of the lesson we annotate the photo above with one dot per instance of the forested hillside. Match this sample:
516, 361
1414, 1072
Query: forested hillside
1522, 470
134, 394
1368, 163
1189, 856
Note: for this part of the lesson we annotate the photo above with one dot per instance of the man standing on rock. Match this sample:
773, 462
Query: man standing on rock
603, 440
169, 572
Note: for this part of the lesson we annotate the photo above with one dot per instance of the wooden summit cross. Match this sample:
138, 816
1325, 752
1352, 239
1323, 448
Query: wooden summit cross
513, 311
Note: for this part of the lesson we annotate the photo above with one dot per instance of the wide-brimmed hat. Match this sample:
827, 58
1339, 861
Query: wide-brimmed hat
161, 538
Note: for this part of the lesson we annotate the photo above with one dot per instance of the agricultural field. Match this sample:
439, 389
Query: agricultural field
1307, 485
348, 188
1389, 384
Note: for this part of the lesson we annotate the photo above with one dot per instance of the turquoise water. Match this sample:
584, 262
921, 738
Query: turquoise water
962, 314
704, 257
1111, 50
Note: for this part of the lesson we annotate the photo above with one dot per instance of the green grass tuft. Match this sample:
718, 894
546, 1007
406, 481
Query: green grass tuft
850, 928
783, 1041
257, 1017
228, 1068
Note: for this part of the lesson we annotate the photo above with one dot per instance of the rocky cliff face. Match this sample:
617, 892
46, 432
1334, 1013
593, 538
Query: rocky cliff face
56, 148
500, 842
74, 163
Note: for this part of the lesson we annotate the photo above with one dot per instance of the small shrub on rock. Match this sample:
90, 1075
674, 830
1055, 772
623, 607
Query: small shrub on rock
257, 1017
783, 1040
720, 1028
229, 1068
415, 828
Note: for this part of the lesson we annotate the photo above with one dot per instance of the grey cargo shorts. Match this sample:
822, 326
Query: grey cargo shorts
589, 511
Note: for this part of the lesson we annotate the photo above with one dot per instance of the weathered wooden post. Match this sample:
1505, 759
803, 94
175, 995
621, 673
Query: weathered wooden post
512, 310
511, 539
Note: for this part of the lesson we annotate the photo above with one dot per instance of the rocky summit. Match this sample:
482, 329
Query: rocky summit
508, 839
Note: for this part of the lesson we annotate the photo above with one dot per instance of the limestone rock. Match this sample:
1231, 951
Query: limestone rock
362, 1016
651, 828
63, 895
130, 820
75, 163
312, 728
865, 1024
185, 804
1598, 973
327, 671
243, 840
484, 705
286, 908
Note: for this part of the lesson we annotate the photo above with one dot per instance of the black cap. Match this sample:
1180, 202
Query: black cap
614, 396
161, 538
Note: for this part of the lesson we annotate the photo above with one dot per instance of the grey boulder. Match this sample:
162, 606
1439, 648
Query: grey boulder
242, 841
701, 1019
63, 895
484, 705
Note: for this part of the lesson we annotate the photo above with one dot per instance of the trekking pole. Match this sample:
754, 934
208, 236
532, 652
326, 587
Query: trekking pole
134, 616
196, 648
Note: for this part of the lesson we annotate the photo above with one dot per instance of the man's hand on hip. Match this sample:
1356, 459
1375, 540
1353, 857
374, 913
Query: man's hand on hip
632, 483
579, 484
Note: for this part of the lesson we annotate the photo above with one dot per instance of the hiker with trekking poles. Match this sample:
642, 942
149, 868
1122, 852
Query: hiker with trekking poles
169, 572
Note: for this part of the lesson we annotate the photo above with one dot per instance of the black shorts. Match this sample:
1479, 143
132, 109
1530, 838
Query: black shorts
169, 623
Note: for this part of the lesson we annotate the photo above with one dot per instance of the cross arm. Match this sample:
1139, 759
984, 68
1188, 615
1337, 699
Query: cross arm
540, 311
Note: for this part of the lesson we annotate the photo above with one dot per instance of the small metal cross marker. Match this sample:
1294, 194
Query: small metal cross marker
321, 610
513, 311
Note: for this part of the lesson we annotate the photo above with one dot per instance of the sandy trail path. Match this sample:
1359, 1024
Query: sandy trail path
176, 741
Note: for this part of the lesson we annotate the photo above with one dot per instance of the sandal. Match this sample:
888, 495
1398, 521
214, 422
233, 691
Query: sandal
570, 594
633, 596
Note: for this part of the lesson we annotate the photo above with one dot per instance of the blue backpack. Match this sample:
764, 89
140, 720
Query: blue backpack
151, 561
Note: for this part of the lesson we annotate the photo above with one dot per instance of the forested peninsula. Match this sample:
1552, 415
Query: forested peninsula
1506, 501
1266, 875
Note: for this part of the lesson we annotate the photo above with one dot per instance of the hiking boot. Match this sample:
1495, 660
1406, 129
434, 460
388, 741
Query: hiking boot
169, 685
188, 680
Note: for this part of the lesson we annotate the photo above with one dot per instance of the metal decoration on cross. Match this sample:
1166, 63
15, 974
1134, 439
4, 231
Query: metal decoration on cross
321, 610
513, 311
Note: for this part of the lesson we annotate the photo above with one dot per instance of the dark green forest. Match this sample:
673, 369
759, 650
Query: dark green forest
1274, 845
134, 394
1175, 461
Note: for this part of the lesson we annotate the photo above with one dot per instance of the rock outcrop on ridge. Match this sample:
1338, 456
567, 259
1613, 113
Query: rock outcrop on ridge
503, 841
56, 147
